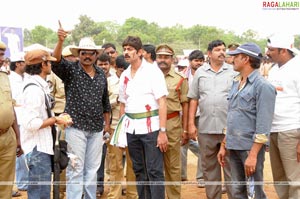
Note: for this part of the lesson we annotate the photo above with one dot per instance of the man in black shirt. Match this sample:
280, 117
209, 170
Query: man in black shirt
87, 102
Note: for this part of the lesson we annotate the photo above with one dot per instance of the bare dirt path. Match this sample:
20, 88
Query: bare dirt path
191, 191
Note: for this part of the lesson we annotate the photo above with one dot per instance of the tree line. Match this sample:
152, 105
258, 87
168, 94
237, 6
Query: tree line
195, 37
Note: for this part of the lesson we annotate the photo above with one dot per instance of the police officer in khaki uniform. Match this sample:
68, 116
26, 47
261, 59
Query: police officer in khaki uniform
9, 133
177, 109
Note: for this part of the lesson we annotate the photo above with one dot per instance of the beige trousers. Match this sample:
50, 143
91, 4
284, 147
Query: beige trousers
172, 161
8, 146
285, 168
115, 156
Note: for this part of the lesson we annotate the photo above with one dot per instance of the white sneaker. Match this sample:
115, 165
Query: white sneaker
201, 183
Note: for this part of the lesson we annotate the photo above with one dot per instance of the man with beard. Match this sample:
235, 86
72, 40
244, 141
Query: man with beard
209, 89
285, 131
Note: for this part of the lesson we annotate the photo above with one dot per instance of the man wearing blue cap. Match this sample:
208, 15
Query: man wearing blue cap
249, 119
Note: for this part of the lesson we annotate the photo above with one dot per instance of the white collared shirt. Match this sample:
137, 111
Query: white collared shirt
16, 85
34, 107
147, 86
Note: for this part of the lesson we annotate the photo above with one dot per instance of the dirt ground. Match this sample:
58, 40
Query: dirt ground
191, 191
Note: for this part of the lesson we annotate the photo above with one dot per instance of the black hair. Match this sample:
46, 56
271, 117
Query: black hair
214, 44
149, 48
121, 62
13, 66
133, 41
104, 57
34, 69
108, 45
196, 54
254, 62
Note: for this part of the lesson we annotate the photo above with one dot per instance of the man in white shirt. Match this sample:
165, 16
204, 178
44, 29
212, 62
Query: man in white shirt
17, 77
285, 131
143, 104
36, 134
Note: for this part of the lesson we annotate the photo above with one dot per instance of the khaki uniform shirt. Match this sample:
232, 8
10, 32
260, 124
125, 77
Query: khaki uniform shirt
173, 99
6, 102
57, 90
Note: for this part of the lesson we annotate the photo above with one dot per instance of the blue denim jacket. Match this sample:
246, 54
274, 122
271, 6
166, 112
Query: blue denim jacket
250, 111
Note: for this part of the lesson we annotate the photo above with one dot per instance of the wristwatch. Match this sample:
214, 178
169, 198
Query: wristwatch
163, 129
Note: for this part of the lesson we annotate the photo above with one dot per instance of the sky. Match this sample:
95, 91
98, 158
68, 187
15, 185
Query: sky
232, 15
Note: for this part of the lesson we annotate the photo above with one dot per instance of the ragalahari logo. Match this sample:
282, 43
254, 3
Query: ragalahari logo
280, 5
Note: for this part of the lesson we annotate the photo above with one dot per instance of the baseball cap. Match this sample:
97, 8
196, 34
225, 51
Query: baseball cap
17, 57
250, 49
164, 49
285, 41
37, 56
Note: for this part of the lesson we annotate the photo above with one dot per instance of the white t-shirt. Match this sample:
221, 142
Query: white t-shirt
286, 79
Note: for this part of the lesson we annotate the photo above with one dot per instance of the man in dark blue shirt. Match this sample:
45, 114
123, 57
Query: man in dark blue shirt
87, 102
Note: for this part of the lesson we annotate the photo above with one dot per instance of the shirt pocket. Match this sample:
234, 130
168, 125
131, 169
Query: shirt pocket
246, 101
206, 84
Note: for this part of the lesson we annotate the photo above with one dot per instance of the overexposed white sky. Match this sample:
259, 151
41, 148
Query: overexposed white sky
234, 15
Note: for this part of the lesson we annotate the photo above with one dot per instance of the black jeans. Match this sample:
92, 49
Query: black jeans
148, 165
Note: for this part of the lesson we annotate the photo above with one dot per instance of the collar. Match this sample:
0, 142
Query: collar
207, 67
171, 72
253, 76
40, 80
250, 77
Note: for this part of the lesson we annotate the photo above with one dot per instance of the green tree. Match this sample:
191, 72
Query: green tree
86, 28
43, 36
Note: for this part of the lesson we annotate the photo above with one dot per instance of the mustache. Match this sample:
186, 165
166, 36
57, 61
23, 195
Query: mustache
160, 63
87, 59
126, 56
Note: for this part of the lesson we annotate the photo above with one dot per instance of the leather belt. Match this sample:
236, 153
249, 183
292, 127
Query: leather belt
172, 115
2, 131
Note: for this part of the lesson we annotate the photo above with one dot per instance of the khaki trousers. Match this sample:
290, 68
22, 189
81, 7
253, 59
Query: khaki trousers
115, 156
209, 148
285, 167
172, 161
8, 146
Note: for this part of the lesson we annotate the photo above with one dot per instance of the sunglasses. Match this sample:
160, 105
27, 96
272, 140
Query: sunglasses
84, 53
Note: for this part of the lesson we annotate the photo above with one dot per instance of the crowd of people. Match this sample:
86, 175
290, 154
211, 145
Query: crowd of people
134, 116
